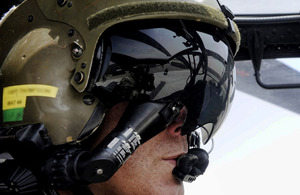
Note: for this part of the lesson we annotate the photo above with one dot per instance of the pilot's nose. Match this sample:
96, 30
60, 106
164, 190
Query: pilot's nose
175, 127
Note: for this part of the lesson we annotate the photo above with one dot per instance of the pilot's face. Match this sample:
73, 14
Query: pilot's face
149, 169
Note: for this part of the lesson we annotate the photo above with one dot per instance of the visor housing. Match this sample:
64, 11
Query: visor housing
170, 60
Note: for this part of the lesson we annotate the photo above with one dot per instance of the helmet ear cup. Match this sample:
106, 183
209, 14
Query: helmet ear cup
191, 165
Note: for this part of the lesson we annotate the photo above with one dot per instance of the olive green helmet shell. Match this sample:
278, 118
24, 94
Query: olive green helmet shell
47, 47
91, 18
37, 65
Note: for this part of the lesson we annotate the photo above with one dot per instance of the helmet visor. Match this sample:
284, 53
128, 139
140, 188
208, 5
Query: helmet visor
173, 61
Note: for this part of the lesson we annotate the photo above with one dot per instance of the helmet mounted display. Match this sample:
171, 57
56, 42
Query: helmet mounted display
64, 64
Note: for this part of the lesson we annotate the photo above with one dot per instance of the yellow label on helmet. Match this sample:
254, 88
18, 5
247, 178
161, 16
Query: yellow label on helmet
14, 98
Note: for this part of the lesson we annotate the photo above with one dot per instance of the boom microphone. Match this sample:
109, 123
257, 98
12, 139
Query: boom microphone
191, 165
